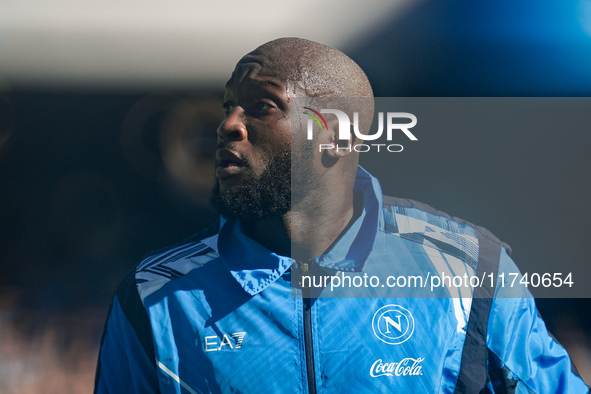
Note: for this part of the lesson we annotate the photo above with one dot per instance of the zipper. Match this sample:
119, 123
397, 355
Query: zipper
308, 339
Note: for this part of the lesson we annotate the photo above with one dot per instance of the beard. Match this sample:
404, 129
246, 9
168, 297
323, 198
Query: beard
271, 193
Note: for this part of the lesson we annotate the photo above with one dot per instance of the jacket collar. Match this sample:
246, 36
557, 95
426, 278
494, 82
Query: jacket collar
255, 267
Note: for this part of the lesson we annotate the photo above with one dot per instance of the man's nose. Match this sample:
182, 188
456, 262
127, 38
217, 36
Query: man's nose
232, 127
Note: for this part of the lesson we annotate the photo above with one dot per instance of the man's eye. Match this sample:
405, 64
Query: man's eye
228, 106
261, 106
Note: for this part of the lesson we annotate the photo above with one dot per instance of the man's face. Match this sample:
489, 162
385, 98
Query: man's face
253, 159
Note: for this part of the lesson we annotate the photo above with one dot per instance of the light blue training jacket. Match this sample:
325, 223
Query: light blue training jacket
218, 314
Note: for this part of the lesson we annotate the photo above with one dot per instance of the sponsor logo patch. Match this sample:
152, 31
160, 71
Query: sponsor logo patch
406, 367
226, 342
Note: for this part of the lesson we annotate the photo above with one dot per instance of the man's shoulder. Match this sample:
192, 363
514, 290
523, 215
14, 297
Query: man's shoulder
205, 237
173, 262
421, 223
422, 211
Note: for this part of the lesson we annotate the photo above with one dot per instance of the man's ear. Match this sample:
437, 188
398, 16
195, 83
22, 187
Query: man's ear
339, 148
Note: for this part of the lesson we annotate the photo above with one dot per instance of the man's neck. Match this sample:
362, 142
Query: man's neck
315, 229
307, 231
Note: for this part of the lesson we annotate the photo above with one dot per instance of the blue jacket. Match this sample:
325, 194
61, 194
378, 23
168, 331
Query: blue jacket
218, 314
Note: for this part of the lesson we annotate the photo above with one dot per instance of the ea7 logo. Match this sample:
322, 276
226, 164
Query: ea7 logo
345, 124
393, 324
214, 343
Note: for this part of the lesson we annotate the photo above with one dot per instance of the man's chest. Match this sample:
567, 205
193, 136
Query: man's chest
270, 344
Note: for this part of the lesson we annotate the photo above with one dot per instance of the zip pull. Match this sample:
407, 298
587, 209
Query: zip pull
305, 268
301, 269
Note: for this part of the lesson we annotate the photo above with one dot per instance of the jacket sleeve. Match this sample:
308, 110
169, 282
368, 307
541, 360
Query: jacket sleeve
126, 362
523, 356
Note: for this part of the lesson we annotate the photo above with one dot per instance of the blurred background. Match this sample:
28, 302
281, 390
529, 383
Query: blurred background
108, 114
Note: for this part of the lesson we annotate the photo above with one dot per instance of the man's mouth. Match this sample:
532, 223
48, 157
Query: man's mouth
228, 164
227, 168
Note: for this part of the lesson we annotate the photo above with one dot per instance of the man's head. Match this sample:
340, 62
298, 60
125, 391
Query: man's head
256, 146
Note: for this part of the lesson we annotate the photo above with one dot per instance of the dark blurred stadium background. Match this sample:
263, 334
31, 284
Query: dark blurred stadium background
107, 126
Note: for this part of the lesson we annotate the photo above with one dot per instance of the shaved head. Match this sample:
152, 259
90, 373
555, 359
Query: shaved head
314, 69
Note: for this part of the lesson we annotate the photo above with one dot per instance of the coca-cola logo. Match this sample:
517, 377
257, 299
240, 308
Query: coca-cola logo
406, 367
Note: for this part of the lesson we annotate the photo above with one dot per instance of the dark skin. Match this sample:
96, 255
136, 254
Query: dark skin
259, 102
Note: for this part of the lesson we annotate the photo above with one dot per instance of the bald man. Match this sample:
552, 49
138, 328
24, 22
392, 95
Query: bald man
229, 310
